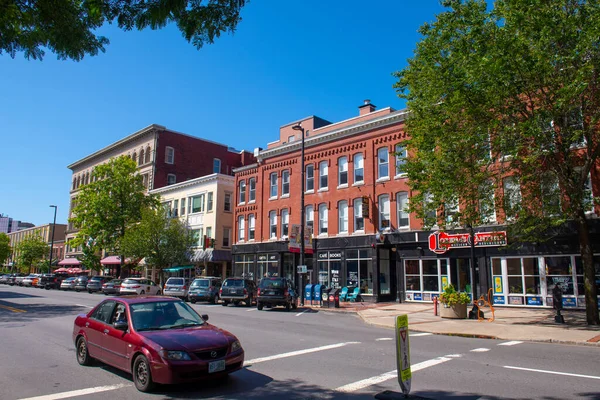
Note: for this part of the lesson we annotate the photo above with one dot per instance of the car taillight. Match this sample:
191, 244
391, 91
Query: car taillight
211, 288
258, 292
286, 292
104, 285
117, 286
220, 291
135, 287
184, 287
245, 291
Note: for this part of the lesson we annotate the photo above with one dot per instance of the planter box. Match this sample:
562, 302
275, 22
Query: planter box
457, 311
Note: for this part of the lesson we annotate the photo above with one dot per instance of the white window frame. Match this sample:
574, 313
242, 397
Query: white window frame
251, 227
242, 191
285, 223
383, 163
209, 202
285, 183
273, 185
400, 160
227, 202
384, 211
310, 178
309, 216
358, 215
485, 190
169, 155
342, 172
401, 212
272, 225
343, 217
323, 176
241, 228
359, 165
511, 192
252, 190
171, 177
323, 220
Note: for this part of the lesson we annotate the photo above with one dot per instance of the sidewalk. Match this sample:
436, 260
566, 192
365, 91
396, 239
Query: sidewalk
525, 324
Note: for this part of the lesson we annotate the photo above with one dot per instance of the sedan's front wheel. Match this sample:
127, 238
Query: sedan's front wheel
83, 357
142, 377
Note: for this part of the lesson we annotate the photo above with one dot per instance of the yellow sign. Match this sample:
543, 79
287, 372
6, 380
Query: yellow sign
497, 284
444, 282
403, 353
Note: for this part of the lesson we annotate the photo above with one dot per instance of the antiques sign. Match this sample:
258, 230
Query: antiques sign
441, 242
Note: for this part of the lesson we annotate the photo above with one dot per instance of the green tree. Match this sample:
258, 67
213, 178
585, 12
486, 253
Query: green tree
511, 89
30, 251
158, 238
5, 249
108, 206
68, 28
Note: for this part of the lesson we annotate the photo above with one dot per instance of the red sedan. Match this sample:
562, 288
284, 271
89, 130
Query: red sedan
156, 339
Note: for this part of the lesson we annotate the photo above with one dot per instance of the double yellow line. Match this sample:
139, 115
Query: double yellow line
12, 309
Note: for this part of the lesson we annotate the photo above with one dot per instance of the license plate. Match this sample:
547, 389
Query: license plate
216, 366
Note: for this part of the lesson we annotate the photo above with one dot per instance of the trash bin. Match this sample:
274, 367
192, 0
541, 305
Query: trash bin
334, 298
317, 294
324, 297
308, 293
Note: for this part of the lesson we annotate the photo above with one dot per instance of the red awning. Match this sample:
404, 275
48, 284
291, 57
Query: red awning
69, 261
114, 260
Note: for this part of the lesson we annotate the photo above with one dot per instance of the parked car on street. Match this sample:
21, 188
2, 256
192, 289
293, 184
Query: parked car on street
177, 287
4, 279
28, 280
276, 291
167, 341
19, 280
81, 283
236, 290
49, 281
139, 286
95, 283
205, 288
68, 284
112, 287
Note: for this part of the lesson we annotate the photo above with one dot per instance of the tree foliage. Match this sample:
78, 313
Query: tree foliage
109, 205
30, 251
5, 248
68, 28
504, 108
161, 240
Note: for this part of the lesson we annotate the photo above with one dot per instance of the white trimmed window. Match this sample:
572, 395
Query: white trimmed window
252, 191
285, 223
359, 221
171, 179
285, 183
322, 219
323, 182
169, 155
273, 188
343, 171
512, 197
343, 216
310, 178
401, 156
384, 212
273, 225
251, 226
241, 228
487, 203
226, 237
402, 213
242, 192
209, 201
359, 171
310, 217
383, 163
227, 202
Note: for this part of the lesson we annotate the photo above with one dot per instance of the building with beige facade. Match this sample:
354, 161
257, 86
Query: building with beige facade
42, 231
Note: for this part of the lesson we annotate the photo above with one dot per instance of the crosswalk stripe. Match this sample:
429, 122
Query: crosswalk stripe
553, 372
511, 343
75, 393
297, 353
480, 350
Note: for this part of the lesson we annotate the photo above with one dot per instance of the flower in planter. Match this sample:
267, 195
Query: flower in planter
451, 297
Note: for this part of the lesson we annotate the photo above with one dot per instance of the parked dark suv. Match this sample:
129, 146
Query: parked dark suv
276, 291
235, 290
205, 288
49, 281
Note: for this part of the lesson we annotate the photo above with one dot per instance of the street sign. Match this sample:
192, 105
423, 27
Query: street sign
403, 353
302, 269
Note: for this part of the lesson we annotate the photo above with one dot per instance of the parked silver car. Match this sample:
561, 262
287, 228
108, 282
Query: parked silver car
177, 287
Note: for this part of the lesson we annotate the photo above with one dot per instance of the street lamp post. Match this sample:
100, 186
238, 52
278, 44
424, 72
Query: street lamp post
52, 239
301, 129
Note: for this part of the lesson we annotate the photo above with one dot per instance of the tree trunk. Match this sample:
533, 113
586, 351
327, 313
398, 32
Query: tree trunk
589, 273
120, 268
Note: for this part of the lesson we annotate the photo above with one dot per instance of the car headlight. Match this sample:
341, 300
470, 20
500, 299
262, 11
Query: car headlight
175, 355
235, 346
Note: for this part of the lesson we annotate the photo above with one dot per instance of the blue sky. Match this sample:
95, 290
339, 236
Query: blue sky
287, 60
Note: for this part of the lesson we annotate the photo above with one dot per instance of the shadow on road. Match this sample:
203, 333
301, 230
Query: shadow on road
15, 295
35, 311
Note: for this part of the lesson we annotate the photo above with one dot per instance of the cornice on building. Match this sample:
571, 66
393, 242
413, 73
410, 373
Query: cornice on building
218, 178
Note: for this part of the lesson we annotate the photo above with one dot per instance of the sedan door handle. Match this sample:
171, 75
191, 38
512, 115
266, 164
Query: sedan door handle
106, 331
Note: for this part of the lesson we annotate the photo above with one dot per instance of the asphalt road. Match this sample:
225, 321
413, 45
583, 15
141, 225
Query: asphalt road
289, 355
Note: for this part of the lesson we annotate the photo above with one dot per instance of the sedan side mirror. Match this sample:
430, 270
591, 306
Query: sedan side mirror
205, 317
121, 325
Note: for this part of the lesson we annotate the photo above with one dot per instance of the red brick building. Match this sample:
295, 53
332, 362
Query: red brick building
355, 200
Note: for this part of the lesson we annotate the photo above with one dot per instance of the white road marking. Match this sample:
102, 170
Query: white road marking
420, 334
480, 350
352, 387
553, 372
252, 309
83, 305
300, 313
383, 338
512, 343
80, 392
298, 353
453, 355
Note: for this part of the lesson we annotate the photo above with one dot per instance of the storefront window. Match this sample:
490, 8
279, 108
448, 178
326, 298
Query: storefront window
359, 270
413, 275
430, 276
329, 268
579, 272
288, 267
384, 271
268, 265
244, 266
559, 271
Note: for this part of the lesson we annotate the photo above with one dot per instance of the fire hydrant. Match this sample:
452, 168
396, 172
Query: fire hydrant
435, 306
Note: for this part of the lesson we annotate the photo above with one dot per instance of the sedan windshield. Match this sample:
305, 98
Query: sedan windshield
160, 315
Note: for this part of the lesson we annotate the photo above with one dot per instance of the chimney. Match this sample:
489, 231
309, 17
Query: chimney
366, 108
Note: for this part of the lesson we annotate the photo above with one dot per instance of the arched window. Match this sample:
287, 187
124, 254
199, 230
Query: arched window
79, 181
134, 157
87, 178
147, 160
74, 183
141, 160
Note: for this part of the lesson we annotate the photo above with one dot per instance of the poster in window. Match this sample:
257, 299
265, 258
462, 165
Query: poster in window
569, 302
444, 282
534, 301
499, 300
352, 278
418, 297
409, 296
515, 300
497, 284
426, 296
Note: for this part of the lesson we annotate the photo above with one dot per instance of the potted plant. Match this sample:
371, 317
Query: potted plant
455, 303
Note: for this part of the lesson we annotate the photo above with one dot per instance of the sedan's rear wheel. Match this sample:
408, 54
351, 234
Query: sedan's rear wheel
225, 303
143, 292
83, 357
287, 306
259, 305
142, 377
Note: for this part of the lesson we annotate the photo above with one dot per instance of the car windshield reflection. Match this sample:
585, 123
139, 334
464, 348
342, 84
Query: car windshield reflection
162, 315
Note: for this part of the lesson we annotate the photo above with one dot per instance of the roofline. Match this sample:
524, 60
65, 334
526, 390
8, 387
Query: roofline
244, 168
201, 180
387, 119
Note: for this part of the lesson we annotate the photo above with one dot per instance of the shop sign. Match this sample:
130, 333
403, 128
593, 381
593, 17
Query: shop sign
426, 296
294, 243
569, 302
497, 284
418, 296
335, 278
403, 354
409, 296
441, 242
335, 255
534, 301
499, 300
515, 300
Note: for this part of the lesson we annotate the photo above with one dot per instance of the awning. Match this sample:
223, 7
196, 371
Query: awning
69, 261
210, 255
69, 270
178, 268
114, 260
